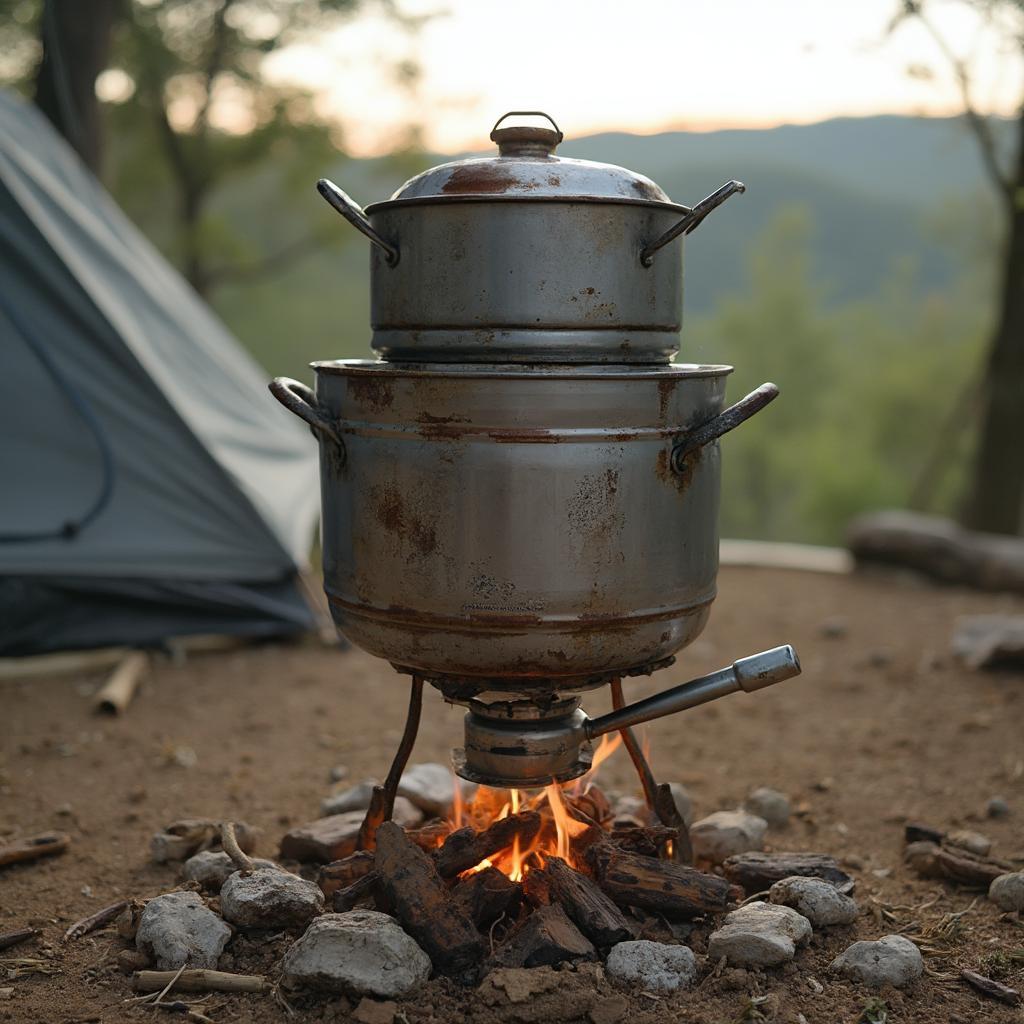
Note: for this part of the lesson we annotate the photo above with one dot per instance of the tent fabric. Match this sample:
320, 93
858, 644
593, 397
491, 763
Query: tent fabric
139, 442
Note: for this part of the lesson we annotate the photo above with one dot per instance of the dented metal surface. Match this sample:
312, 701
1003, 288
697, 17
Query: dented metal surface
517, 523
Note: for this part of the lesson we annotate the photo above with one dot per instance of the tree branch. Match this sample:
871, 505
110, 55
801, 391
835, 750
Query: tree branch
214, 65
980, 126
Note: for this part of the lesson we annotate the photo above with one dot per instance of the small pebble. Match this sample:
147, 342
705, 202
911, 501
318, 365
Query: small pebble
892, 960
769, 804
338, 773
1007, 891
834, 628
997, 807
759, 935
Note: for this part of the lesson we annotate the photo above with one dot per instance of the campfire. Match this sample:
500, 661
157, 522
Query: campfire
525, 877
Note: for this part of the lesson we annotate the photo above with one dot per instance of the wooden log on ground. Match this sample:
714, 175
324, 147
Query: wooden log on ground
8, 939
486, 895
362, 890
954, 864
465, 847
422, 903
991, 987
547, 936
46, 844
198, 980
340, 874
116, 693
590, 909
756, 872
97, 920
633, 880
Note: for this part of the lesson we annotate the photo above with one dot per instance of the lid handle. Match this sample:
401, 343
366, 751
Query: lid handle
525, 140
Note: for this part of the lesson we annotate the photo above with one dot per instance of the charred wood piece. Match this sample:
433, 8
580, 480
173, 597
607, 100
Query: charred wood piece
33, 848
340, 874
486, 895
547, 936
465, 847
422, 903
633, 880
756, 872
590, 909
953, 864
362, 890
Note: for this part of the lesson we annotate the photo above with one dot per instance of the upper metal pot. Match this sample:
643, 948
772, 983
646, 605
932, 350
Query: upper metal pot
526, 257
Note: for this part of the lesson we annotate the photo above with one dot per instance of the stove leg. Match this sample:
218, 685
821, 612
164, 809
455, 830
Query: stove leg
382, 803
658, 797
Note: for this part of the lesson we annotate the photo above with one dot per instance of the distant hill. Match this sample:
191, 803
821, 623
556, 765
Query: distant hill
875, 189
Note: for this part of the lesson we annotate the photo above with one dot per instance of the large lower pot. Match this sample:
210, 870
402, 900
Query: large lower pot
519, 524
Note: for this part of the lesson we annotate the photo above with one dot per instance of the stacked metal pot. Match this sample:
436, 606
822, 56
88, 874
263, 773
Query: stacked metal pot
521, 494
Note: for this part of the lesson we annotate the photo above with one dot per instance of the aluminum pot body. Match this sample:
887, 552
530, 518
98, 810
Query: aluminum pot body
518, 523
519, 280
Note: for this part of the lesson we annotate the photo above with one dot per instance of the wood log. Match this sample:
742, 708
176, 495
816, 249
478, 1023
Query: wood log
46, 844
756, 872
362, 890
486, 895
991, 987
536, 886
913, 832
649, 840
430, 836
117, 692
8, 939
199, 980
954, 864
340, 874
589, 908
547, 936
465, 847
633, 880
422, 903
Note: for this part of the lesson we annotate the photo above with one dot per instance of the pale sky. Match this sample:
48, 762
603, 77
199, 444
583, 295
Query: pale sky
640, 66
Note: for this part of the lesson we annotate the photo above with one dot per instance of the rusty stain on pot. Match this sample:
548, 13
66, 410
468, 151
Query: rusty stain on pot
392, 513
371, 390
480, 179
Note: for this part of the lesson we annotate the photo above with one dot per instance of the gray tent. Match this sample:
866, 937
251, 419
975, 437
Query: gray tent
149, 485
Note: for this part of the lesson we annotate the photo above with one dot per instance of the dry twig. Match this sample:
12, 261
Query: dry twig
94, 921
229, 841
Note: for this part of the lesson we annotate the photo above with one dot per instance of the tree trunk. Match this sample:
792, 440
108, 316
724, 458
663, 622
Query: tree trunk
76, 44
995, 501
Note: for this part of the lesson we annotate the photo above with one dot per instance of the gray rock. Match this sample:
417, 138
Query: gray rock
725, 834
1007, 891
817, 900
759, 935
997, 807
357, 798
892, 960
323, 840
431, 787
983, 641
633, 807
653, 966
769, 804
338, 773
211, 869
361, 952
974, 842
178, 928
270, 898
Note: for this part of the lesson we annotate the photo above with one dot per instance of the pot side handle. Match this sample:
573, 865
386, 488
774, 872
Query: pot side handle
712, 429
692, 220
353, 213
301, 401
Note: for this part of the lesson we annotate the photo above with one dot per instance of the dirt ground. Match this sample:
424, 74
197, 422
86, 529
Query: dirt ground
883, 727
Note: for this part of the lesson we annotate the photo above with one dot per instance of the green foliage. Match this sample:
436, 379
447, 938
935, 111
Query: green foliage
868, 391
875, 1011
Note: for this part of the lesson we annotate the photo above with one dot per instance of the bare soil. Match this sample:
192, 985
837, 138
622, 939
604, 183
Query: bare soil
883, 727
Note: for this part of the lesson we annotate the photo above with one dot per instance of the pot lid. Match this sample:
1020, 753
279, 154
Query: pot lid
526, 167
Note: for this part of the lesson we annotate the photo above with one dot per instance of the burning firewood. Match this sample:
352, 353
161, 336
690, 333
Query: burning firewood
422, 903
465, 848
633, 880
590, 909
486, 895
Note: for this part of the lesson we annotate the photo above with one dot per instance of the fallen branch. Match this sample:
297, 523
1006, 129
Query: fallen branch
198, 980
33, 848
8, 939
116, 693
94, 921
953, 864
989, 987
